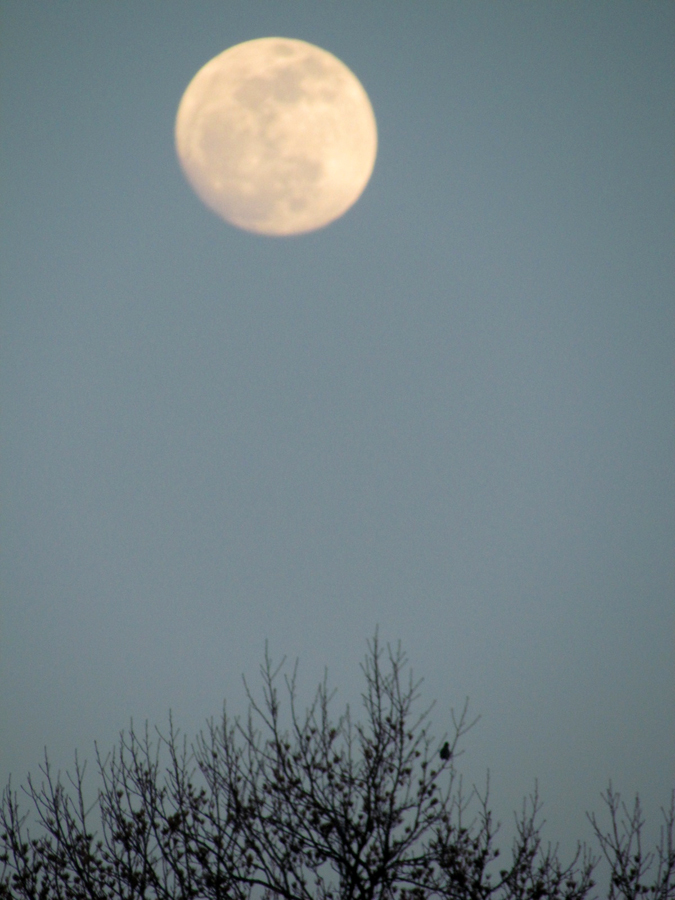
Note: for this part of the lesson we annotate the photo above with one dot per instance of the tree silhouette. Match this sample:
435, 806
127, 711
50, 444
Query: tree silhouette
303, 806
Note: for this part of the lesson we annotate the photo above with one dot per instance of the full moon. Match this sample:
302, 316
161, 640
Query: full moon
277, 136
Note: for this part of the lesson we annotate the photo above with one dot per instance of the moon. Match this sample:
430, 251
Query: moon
276, 136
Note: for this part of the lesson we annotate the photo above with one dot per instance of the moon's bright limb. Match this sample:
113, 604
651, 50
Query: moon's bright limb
277, 136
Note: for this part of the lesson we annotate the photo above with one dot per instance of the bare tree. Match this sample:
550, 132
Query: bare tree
634, 872
300, 805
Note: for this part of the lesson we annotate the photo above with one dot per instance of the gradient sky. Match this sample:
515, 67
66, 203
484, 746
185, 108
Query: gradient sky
449, 414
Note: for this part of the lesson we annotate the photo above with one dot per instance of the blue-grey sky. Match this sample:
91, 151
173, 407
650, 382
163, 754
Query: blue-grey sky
449, 413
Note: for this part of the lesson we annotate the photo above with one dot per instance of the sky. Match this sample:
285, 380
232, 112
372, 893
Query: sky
448, 415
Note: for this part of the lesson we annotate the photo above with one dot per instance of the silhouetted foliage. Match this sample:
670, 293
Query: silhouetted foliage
306, 806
